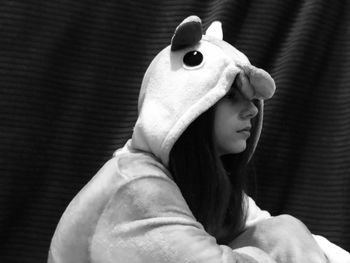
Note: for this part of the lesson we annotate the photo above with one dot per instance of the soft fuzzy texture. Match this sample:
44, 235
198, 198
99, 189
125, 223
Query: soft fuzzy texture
132, 211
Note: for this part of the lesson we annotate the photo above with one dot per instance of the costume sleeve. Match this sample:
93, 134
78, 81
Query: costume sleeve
334, 253
254, 213
147, 220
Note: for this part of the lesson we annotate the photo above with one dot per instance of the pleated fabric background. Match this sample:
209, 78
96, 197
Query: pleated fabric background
69, 78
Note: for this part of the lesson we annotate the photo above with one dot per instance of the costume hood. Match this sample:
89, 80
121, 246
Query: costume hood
188, 77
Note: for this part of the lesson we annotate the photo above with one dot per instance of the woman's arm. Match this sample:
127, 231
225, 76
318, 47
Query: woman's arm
255, 217
334, 253
147, 220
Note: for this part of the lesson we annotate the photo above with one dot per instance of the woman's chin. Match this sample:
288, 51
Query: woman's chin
238, 147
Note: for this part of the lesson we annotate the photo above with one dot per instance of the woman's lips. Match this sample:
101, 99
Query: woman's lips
245, 131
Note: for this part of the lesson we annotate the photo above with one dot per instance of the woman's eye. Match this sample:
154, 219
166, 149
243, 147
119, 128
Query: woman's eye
193, 58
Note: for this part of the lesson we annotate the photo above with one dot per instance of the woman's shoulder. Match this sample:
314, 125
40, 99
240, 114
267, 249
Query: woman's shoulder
131, 164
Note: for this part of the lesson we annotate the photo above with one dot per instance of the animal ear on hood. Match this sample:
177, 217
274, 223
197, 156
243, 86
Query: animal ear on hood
187, 33
215, 30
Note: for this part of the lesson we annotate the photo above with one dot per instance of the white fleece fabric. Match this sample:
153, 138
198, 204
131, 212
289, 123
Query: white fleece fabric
334, 253
132, 211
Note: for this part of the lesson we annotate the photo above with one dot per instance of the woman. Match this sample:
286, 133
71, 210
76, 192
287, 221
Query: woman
175, 191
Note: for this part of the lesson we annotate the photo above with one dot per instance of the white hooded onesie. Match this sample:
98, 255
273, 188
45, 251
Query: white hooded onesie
132, 211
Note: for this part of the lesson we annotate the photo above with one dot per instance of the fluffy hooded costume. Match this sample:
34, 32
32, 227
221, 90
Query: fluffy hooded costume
132, 211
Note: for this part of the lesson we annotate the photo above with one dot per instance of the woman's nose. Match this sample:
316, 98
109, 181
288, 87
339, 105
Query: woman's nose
249, 111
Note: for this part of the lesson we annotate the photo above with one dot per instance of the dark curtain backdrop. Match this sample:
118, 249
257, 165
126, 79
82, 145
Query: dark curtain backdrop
69, 78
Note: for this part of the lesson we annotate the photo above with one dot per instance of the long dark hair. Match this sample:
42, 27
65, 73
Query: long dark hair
211, 185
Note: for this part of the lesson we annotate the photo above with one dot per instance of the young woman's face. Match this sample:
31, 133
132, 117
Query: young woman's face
232, 122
